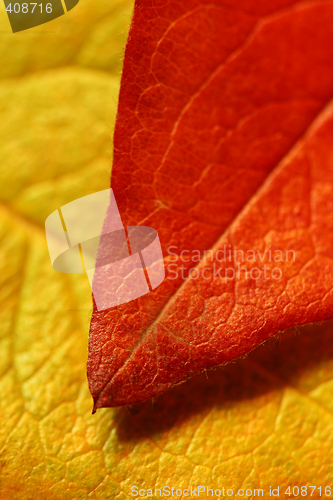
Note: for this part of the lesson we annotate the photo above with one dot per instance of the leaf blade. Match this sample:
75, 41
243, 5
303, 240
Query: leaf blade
231, 123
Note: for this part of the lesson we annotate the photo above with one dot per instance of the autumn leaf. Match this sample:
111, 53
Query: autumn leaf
222, 142
263, 421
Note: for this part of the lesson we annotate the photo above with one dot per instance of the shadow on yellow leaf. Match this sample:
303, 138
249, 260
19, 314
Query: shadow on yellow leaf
265, 420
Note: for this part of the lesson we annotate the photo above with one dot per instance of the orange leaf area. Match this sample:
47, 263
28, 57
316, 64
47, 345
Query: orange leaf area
223, 145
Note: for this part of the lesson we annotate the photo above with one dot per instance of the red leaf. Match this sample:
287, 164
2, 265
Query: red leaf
223, 140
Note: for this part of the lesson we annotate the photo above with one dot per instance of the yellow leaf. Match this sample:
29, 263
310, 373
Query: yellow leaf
264, 421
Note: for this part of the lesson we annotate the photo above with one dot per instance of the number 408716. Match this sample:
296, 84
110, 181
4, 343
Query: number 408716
308, 491
25, 8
